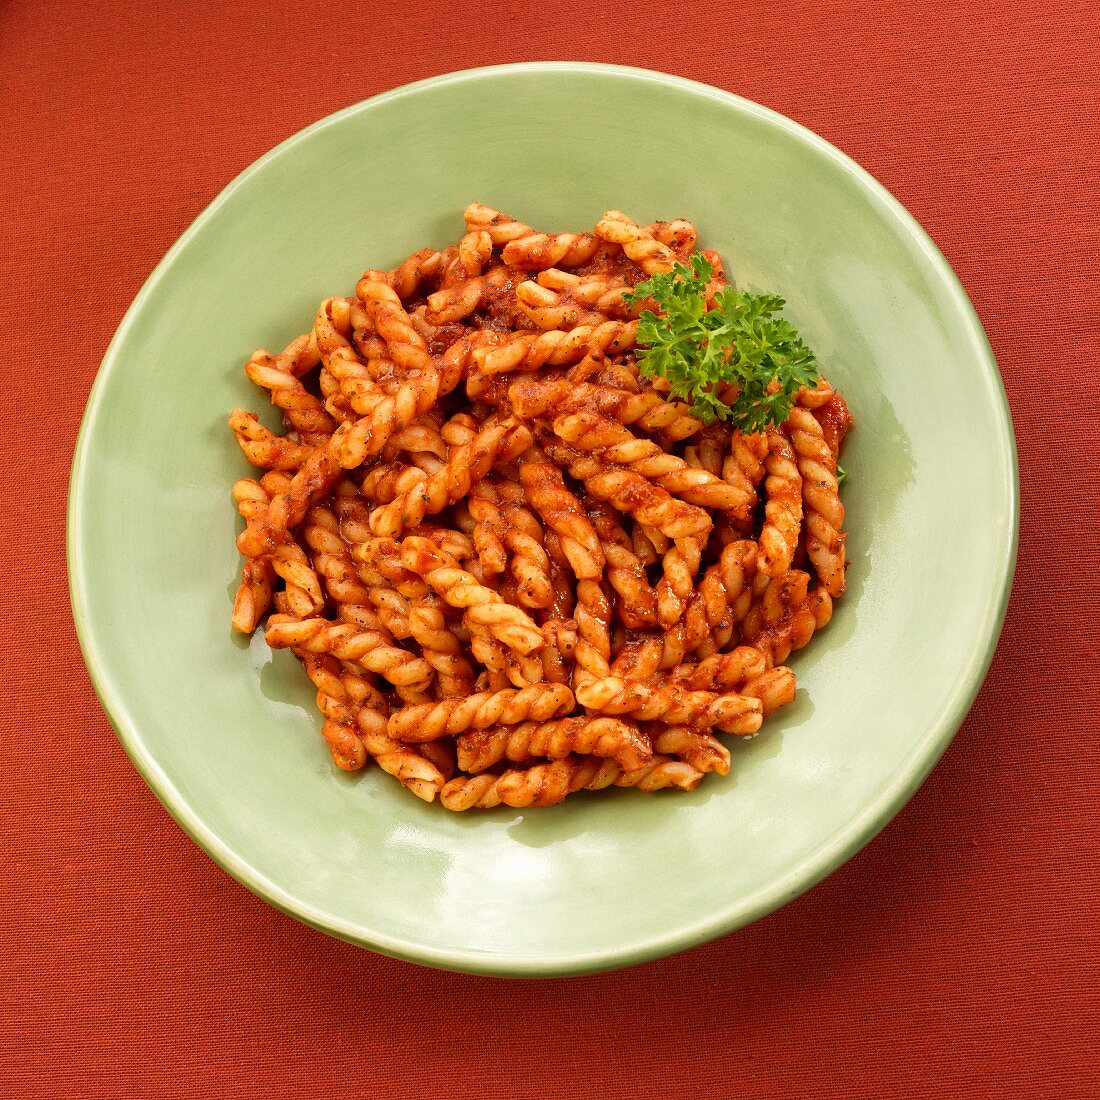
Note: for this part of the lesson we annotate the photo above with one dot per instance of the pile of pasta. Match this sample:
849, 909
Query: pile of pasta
513, 568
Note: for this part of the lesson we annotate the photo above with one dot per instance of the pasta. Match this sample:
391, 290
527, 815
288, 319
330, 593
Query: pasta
512, 564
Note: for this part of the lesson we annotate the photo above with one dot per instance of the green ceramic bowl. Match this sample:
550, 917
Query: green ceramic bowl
226, 733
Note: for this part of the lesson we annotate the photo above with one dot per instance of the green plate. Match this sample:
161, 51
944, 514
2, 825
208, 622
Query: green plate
226, 733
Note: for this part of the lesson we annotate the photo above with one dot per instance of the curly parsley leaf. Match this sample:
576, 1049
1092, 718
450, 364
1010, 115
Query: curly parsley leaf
739, 342
841, 474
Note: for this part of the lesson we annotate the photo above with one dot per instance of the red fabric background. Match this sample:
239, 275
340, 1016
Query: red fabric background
951, 956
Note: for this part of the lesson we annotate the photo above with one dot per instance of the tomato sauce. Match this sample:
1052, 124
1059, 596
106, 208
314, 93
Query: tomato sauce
499, 310
835, 421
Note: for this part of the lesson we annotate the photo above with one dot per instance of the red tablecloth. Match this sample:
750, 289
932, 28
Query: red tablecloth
950, 956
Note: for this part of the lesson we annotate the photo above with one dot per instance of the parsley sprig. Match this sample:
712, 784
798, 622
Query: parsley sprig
739, 341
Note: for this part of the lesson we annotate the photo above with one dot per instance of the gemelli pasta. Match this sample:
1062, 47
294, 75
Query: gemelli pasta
514, 562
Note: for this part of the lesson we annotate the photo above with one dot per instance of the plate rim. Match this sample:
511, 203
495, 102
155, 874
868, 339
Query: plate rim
741, 911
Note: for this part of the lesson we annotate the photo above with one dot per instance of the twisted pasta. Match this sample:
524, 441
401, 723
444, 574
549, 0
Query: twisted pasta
487, 708
592, 652
253, 597
783, 510
332, 558
501, 228
262, 447
679, 234
792, 629
535, 398
547, 310
821, 499
355, 727
744, 466
427, 622
639, 244
458, 300
484, 608
604, 737
774, 688
598, 293
631, 493
468, 463
471, 254
408, 277
513, 567
367, 648
672, 704
537, 251
721, 601
677, 584
615, 443
722, 671
490, 527
549, 784
555, 348
548, 495
385, 414
524, 539
625, 571
281, 375
701, 750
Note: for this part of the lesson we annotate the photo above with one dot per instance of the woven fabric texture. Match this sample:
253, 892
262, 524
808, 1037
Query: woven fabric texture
955, 955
